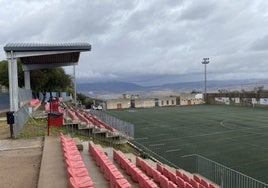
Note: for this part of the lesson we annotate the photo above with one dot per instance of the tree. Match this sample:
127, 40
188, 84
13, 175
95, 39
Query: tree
4, 74
45, 80
85, 100
48, 80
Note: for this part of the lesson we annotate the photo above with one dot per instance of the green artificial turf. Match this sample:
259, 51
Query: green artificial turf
236, 137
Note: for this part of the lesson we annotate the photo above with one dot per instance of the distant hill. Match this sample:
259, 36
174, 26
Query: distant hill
109, 89
114, 87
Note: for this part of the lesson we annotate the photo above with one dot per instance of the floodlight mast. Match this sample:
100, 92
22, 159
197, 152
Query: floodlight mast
205, 61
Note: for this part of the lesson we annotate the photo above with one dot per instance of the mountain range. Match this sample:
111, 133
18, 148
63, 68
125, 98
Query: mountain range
116, 89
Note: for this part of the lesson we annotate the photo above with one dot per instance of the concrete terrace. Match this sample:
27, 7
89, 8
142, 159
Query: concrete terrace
53, 172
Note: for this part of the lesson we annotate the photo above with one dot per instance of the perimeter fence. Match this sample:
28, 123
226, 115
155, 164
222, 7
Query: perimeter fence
223, 176
120, 125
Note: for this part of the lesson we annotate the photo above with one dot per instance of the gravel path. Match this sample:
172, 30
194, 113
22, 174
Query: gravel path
20, 160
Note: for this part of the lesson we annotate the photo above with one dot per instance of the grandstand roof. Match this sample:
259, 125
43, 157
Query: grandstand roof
46, 55
19, 47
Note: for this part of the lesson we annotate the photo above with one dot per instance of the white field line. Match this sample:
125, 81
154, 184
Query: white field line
172, 150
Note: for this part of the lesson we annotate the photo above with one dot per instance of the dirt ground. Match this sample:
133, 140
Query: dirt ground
20, 160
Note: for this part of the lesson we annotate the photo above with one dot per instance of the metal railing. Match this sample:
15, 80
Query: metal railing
122, 126
22, 115
20, 118
224, 176
24, 94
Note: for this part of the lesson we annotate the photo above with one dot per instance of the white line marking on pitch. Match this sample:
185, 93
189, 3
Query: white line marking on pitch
142, 138
172, 150
157, 144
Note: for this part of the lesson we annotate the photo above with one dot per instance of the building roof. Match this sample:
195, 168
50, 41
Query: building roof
25, 47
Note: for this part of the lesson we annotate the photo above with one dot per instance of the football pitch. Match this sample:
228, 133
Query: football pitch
236, 137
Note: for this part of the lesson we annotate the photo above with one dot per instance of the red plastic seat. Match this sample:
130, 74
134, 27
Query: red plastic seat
211, 186
122, 183
204, 183
81, 182
196, 178
110, 171
159, 168
180, 182
156, 175
77, 172
172, 176
138, 162
172, 185
186, 178
164, 181
165, 172
149, 184
75, 164
179, 173
187, 185
75, 157
194, 183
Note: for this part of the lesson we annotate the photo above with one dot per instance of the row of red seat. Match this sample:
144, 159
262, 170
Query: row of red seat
77, 171
111, 173
96, 121
153, 173
136, 174
88, 118
183, 180
72, 114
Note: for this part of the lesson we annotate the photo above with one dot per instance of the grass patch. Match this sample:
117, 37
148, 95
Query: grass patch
33, 128
2, 114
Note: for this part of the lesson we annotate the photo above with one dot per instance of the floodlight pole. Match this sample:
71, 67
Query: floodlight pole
205, 61
74, 76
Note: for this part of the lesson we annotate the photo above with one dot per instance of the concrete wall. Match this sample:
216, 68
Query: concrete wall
167, 101
185, 99
144, 103
117, 104
191, 99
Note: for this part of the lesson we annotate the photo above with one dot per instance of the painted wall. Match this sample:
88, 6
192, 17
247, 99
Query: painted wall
117, 104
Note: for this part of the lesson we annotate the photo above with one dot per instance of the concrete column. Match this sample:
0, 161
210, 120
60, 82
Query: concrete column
27, 79
13, 83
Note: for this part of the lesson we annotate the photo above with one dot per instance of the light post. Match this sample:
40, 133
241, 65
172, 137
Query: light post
205, 61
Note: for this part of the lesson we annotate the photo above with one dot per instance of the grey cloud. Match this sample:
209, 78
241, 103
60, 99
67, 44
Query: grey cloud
260, 44
146, 41
198, 10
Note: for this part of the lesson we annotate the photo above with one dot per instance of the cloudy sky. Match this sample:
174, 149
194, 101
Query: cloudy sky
148, 41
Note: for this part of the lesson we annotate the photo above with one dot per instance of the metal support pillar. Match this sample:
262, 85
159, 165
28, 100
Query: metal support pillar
75, 102
27, 79
13, 82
